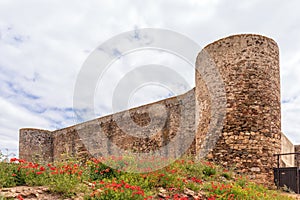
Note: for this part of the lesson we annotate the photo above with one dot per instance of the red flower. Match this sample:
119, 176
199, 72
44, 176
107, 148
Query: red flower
214, 187
194, 179
172, 189
177, 197
141, 192
22, 161
231, 196
42, 168
53, 168
14, 174
13, 159
38, 173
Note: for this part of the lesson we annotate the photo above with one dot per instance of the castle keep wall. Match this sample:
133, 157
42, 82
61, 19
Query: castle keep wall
249, 66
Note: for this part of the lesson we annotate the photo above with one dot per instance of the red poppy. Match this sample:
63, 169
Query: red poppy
42, 168
22, 161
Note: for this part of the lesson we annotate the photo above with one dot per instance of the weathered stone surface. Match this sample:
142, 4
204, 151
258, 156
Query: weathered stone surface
251, 133
36, 145
34, 193
249, 65
85, 139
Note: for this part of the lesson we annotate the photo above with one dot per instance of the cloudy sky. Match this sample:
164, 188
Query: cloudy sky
43, 45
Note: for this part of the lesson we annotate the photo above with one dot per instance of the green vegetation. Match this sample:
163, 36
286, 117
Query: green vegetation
98, 181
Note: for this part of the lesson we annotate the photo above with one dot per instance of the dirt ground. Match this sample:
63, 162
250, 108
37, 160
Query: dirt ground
32, 193
43, 193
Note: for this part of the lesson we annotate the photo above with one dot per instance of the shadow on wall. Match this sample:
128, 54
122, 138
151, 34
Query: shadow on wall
251, 133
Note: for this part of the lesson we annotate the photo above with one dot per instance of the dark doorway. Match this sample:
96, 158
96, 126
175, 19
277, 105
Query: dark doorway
287, 176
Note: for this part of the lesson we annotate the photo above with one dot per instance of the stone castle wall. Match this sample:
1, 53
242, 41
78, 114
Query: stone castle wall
249, 66
83, 140
251, 132
36, 144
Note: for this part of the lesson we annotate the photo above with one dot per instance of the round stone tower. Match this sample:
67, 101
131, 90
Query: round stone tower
248, 65
35, 145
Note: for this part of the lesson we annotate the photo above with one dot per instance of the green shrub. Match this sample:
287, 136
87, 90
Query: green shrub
98, 181
209, 171
226, 175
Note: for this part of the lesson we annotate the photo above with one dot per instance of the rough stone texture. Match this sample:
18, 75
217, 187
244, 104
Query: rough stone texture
85, 139
249, 65
34, 193
287, 147
36, 145
251, 133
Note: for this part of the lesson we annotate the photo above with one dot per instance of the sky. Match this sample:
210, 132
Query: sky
43, 45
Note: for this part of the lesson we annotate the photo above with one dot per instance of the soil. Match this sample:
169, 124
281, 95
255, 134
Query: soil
33, 193
43, 193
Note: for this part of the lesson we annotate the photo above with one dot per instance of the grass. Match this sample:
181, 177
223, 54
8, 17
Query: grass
98, 181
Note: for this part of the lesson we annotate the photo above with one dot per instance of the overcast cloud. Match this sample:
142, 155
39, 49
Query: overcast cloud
43, 45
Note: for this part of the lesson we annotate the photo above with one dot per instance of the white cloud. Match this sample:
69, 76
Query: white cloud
44, 44
12, 118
